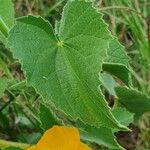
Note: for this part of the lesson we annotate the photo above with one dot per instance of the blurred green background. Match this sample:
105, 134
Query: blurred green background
129, 20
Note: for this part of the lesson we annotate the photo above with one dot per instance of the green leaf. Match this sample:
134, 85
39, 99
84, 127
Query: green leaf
65, 69
47, 117
3, 85
108, 82
101, 136
9, 145
29, 138
123, 116
117, 62
7, 16
134, 101
120, 71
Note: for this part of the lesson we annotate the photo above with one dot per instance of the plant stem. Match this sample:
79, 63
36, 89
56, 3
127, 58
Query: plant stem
6, 70
3, 28
20, 85
54, 7
4, 144
141, 82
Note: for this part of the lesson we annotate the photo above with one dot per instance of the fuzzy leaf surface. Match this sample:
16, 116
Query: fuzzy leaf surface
123, 116
101, 136
65, 69
117, 61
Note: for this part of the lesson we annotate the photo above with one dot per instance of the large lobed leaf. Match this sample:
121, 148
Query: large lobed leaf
65, 69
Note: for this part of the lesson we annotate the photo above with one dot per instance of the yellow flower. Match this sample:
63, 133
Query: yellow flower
60, 138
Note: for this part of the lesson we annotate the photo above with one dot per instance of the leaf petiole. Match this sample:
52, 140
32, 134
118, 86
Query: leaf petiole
4, 144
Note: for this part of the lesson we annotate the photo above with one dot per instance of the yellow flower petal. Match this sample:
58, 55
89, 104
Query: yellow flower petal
60, 138
83, 146
32, 148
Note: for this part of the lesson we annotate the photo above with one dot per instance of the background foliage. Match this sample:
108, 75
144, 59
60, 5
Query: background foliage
124, 77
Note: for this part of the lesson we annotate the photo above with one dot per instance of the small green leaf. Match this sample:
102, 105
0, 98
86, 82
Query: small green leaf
47, 117
120, 71
101, 136
108, 82
123, 116
134, 101
7, 16
29, 138
65, 69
